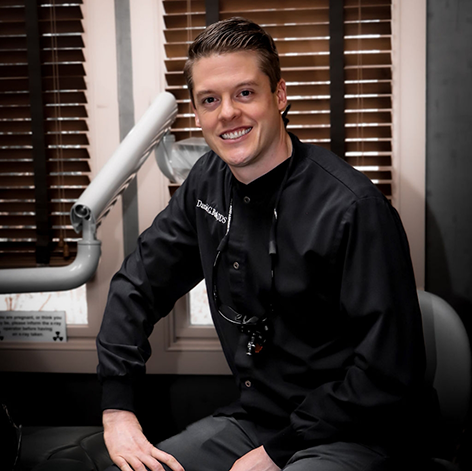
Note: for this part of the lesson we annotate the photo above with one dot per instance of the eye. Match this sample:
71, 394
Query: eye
209, 100
246, 93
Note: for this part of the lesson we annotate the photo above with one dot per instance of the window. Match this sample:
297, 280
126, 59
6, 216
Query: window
77, 23
301, 31
43, 132
72, 302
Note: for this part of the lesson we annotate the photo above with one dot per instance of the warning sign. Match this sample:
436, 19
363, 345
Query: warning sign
26, 326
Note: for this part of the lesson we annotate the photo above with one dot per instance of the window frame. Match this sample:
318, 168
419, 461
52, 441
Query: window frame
78, 354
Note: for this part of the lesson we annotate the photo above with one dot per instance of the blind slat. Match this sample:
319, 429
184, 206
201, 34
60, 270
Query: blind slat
381, 28
274, 16
21, 84
52, 154
21, 57
27, 181
62, 27
173, 7
24, 126
23, 112
21, 71
28, 195
25, 207
23, 99
12, 43
17, 3
78, 166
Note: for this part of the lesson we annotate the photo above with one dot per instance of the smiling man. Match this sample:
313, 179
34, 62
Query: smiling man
239, 113
311, 288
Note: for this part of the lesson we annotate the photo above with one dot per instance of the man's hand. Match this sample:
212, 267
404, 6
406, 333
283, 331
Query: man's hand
255, 460
128, 447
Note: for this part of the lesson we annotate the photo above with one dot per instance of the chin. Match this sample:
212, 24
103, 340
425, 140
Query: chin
236, 161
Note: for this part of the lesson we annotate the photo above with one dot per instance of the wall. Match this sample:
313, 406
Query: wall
449, 154
147, 81
449, 164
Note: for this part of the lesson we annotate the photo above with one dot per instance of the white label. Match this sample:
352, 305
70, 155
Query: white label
26, 326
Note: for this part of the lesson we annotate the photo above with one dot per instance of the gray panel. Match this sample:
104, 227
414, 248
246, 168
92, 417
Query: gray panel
449, 153
126, 112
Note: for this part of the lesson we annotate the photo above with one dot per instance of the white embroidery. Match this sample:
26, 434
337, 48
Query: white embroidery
212, 211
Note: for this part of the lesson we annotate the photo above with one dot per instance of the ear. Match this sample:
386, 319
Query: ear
281, 94
197, 120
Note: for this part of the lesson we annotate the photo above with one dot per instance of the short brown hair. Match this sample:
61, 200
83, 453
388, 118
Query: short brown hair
234, 35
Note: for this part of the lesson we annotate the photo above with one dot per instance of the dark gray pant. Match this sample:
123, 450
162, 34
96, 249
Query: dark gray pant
215, 443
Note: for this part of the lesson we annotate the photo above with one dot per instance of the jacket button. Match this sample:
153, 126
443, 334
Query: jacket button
248, 384
246, 199
236, 265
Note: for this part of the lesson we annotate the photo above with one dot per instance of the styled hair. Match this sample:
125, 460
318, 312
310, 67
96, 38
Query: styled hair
234, 35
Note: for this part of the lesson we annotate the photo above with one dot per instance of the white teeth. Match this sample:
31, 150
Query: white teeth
235, 135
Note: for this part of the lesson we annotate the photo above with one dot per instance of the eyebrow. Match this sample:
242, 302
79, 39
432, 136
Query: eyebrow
250, 83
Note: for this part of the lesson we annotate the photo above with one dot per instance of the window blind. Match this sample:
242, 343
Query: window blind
300, 29
64, 113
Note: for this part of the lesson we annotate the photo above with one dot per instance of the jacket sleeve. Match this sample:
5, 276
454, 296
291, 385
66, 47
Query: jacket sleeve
384, 377
165, 265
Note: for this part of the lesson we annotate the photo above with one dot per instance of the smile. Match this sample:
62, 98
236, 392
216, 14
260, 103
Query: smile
235, 134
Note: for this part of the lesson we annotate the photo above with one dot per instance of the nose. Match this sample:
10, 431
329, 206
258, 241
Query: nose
228, 110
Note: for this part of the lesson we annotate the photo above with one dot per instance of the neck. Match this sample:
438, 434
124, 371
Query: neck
250, 173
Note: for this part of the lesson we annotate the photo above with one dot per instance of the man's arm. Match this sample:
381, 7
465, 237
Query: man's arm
384, 377
164, 266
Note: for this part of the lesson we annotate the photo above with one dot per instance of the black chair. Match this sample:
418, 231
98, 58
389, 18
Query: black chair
63, 449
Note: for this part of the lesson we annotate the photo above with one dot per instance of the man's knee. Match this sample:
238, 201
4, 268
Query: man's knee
339, 456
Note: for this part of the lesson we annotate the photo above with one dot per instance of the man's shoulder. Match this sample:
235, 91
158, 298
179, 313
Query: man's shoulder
207, 169
323, 165
207, 179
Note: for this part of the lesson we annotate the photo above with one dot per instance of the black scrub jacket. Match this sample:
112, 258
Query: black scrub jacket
344, 356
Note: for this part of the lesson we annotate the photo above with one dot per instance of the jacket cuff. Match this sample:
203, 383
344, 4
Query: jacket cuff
118, 393
283, 446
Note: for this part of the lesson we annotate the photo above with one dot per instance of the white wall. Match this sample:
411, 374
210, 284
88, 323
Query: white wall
409, 125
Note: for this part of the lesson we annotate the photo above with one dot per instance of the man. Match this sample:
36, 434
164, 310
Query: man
312, 290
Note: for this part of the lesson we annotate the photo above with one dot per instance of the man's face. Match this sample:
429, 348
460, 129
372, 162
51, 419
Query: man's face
238, 113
